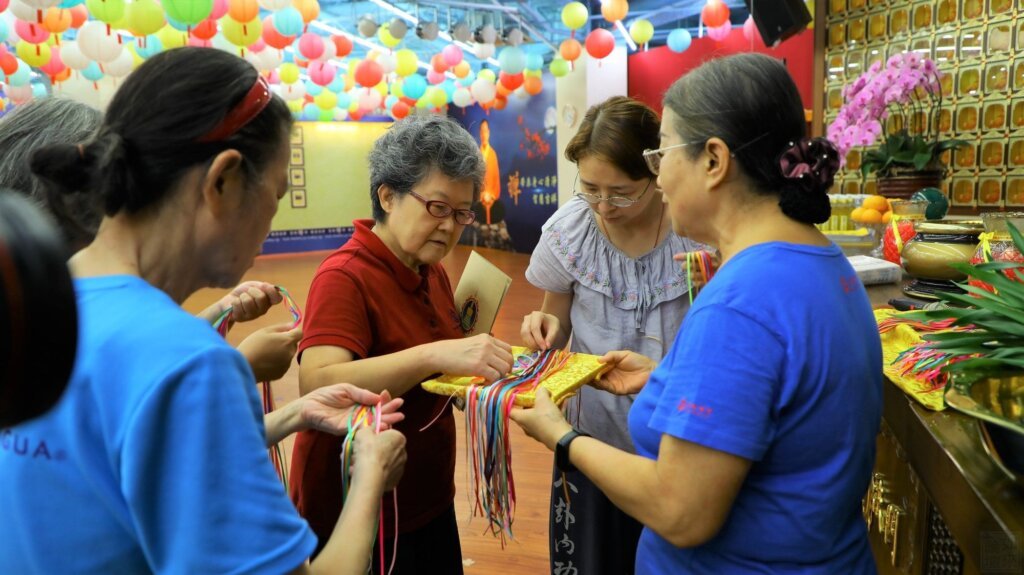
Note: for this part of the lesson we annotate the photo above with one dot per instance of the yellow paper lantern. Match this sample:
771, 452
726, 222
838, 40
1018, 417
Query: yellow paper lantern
386, 38
326, 100
382, 88
171, 38
144, 17
462, 69
241, 34
406, 62
34, 55
641, 31
288, 72
574, 15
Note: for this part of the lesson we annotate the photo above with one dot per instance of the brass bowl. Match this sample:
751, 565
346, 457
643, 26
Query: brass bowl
937, 244
998, 402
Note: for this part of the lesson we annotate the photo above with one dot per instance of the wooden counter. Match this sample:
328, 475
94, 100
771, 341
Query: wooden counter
938, 498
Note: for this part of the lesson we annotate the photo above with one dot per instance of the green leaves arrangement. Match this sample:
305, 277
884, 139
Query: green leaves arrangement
996, 342
901, 149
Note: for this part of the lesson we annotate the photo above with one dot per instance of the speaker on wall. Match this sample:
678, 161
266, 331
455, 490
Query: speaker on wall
777, 20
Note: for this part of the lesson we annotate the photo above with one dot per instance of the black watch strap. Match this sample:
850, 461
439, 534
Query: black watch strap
562, 450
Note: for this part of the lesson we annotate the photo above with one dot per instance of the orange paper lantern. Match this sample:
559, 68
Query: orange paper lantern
57, 20
614, 10
533, 85
570, 49
714, 13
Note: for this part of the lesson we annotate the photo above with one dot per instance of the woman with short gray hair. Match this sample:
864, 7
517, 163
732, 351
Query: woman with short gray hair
40, 123
381, 315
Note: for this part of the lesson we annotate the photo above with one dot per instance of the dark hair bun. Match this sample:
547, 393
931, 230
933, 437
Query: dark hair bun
38, 316
64, 165
808, 168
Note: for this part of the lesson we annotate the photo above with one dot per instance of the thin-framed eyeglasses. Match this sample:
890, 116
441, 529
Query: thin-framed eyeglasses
653, 157
617, 201
441, 210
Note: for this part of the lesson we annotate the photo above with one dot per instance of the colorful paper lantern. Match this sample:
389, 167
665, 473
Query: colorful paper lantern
57, 20
243, 10
342, 44
559, 67
679, 40
641, 31
434, 77
512, 60
274, 38
406, 62
106, 11
714, 13
322, 73
288, 22
614, 10
720, 33
188, 12
483, 51
600, 43
414, 86
144, 17
452, 54
438, 63
33, 54
311, 45
482, 90
570, 49
510, 81
369, 73
534, 61
204, 30
79, 14
96, 43
574, 15
31, 32
386, 38
309, 9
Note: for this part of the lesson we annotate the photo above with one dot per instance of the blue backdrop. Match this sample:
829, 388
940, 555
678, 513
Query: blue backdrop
523, 135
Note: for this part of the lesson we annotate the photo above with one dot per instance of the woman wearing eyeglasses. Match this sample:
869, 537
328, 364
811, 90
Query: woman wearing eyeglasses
605, 262
381, 315
755, 435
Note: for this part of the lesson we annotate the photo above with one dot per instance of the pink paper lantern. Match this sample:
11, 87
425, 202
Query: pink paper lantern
721, 32
749, 29
452, 54
435, 77
31, 32
322, 73
311, 45
220, 8
55, 65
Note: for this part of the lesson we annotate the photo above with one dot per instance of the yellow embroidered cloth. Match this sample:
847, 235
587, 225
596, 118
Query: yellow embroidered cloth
580, 370
896, 341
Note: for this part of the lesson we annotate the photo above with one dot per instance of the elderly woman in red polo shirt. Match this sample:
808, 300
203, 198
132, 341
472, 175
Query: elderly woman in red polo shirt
381, 315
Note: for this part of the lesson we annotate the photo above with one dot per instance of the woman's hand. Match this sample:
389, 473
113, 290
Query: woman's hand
248, 301
379, 453
270, 350
544, 421
540, 330
481, 355
625, 372
327, 409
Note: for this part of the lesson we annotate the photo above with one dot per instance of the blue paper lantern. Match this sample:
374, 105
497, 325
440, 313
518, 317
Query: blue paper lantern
91, 72
4, 31
534, 62
468, 80
390, 101
313, 89
449, 88
512, 60
338, 85
71, 3
679, 40
288, 21
179, 26
39, 91
414, 86
153, 46
311, 112
344, 100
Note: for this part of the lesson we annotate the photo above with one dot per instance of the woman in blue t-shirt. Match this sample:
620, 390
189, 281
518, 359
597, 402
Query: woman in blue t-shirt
755, 434
154, 459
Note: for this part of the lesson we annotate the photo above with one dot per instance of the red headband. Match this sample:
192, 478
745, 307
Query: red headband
250, 107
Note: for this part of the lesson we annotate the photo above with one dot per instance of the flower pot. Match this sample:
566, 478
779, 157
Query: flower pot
903, 183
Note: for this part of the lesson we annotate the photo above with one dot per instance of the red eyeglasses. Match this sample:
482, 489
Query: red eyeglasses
441, 210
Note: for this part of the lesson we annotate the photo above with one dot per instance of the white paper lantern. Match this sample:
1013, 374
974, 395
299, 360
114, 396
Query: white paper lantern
273, 5
483, 90
120, 66
292, 92
72, 56
330, 52
387, 62
483, 51
97, 44
462, 98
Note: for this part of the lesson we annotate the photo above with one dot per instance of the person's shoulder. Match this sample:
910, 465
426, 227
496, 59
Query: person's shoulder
573, 214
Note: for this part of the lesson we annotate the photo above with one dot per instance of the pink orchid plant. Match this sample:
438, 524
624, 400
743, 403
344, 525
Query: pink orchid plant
908, 88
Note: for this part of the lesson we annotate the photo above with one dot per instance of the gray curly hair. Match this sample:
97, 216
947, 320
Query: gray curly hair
416, 146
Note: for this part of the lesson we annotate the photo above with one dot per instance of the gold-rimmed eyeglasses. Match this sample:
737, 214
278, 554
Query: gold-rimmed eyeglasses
653, 157
617, 201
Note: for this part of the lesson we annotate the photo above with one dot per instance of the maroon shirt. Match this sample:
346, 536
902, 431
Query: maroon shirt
365, 300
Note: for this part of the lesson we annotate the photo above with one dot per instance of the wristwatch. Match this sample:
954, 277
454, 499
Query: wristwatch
562, 450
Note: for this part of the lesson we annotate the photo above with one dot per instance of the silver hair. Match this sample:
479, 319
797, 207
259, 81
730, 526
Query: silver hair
41, 123
416, 146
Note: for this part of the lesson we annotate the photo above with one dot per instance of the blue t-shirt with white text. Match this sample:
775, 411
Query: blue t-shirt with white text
779, 362
154, 460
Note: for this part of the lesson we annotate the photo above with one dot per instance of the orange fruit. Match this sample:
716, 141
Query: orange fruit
886, 217
871, 216
857, 214
877, 203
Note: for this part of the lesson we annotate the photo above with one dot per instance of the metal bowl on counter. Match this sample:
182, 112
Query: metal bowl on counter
928, 255
997, 401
